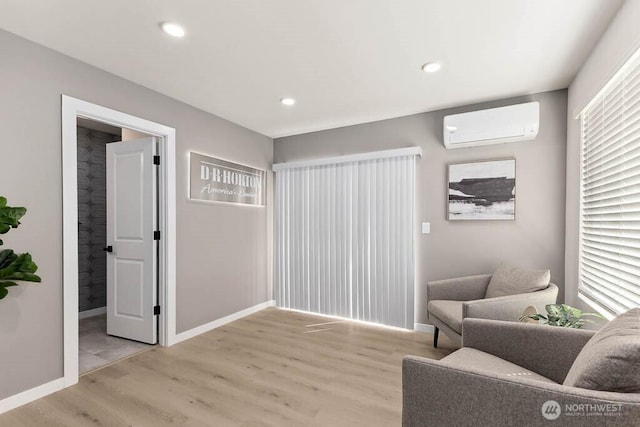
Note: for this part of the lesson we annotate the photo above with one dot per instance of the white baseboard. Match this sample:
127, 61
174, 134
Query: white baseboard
220, 322
93, 312
423, 327
27, 396
43, 390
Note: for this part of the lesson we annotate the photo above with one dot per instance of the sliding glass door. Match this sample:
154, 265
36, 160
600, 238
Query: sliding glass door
344, 239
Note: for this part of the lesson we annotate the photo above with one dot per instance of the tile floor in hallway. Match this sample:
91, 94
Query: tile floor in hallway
97, 349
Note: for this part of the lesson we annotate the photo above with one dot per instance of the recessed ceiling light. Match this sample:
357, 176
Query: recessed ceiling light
287, 101
431, 67
173, 29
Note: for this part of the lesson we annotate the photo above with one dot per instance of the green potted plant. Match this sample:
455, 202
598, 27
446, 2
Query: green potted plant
562, 315
13, 267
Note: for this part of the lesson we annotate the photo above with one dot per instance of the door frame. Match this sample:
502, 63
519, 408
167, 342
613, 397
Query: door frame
71, 109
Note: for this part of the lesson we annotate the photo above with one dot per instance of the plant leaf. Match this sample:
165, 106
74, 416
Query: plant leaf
553, 309
10, 216
567, 316
13, 266
572, 311
553, 318
597, 315
8, 284
6, 256
533, 316
20, 267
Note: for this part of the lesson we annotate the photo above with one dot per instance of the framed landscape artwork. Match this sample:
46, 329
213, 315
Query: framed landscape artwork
482, 190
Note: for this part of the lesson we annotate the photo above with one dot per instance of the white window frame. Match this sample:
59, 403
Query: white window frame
631, 67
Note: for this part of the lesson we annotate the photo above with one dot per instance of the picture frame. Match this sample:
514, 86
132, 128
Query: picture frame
482, 190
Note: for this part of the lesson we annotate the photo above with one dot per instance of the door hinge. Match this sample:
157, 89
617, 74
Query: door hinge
156, 160
156, 235
156, 310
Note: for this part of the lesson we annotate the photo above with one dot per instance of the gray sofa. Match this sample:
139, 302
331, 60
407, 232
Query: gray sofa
503, 376
452, 300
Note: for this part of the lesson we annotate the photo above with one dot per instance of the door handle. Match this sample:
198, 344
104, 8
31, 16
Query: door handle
108, 249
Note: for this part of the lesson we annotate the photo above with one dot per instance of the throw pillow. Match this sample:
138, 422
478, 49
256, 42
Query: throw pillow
510, 280
610, 361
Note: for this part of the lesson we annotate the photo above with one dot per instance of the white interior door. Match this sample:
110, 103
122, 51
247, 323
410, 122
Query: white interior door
131, 261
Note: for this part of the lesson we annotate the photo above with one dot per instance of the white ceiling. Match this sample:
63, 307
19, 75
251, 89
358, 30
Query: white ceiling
344, 61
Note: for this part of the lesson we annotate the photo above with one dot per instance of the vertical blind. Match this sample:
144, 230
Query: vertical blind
609, 270
344, 244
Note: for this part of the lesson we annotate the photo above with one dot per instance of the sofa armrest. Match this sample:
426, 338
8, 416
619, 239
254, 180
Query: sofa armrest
547, 350
509, 307
436, 394
458, 289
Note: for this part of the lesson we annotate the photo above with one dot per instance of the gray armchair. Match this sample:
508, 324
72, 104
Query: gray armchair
452, 300
504, 376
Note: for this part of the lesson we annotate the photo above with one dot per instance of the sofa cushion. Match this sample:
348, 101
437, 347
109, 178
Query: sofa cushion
470, 358
450, 312
610, 361
511, 280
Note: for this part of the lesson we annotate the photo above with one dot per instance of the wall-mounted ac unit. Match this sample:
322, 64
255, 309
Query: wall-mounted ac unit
493, 126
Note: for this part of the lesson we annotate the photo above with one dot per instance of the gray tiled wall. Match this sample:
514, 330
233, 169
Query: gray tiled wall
92, 227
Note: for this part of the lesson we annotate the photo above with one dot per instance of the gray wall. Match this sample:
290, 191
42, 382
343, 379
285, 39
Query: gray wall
92, 217
223, 251
619, 42
534, 240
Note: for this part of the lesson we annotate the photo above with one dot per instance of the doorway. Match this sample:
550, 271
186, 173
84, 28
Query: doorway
107, 331
73, 110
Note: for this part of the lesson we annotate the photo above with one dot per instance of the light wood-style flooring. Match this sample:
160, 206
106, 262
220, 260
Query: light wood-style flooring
273, 368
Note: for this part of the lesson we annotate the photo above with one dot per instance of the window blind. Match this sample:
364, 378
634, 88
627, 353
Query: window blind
344, 239
609, 267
